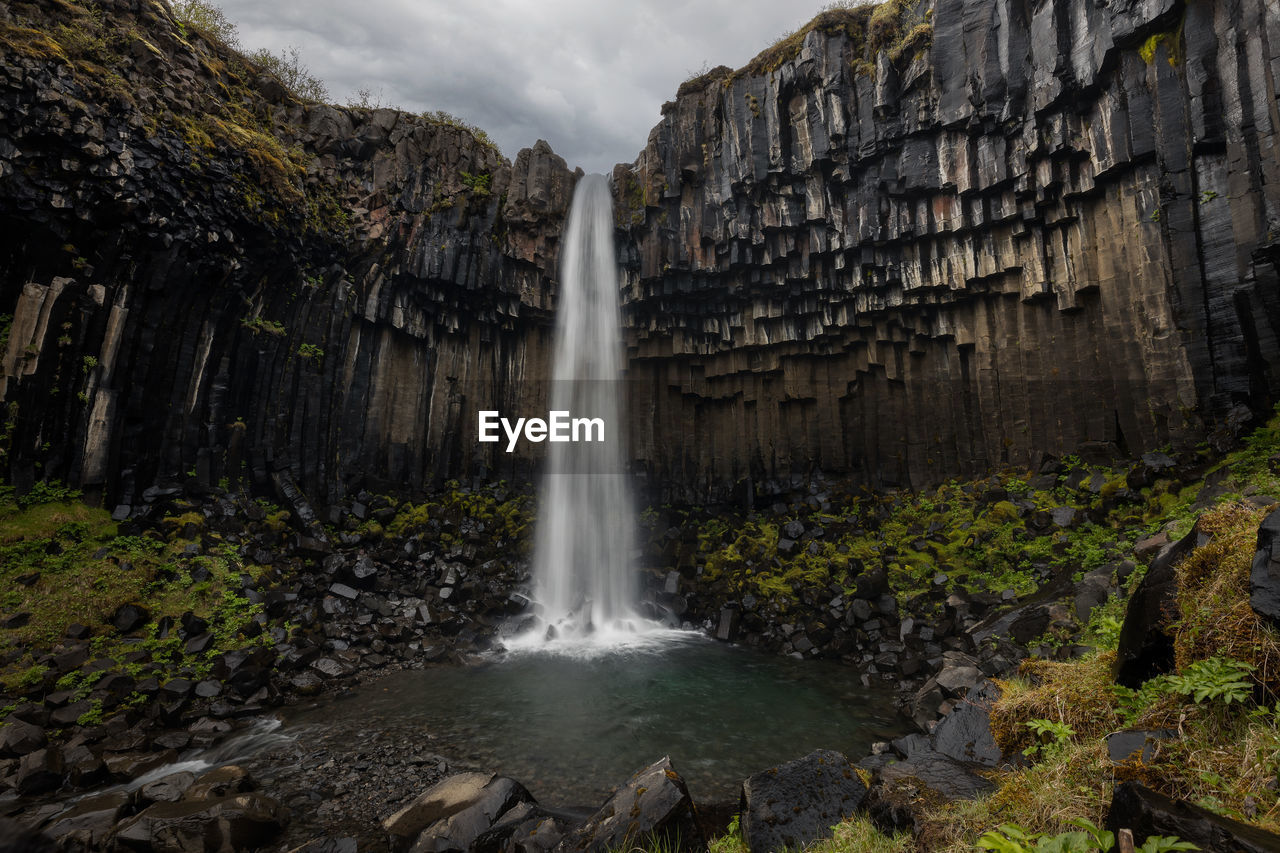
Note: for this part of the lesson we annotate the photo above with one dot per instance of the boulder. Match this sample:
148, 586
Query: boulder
798, 802
443, 799
39, 772
458, 832
1145, 649
653, 807
18, 738
129, 618
1264, 579
524, 829
1147, 813
965, 733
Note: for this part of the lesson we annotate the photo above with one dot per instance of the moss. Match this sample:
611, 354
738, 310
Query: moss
26, 41
1172, 42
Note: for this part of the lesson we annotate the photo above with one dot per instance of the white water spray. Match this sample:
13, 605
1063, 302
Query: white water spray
584, 581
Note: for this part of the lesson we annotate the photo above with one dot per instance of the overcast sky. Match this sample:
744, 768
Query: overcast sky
588, 76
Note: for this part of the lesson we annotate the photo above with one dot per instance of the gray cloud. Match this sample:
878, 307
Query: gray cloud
589, 77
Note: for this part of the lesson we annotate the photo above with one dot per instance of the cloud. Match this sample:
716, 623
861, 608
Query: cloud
589, 77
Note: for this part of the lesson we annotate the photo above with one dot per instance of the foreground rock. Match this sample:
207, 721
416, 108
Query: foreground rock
453, 813
1264, 577
1148, 813
919, 771
1146, 646
654, 807
798, 802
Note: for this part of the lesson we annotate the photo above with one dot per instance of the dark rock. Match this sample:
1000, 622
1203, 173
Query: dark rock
965, 733
1145, 648
91, 820
238, 822
126, 766
653, 807
1264, 578
220, 782
727, 627
168, 789
950, 779
1122, 746
39, 772
18, 738
129, 618
69, 714
452, 795
1147, 813
459, 830
798, 802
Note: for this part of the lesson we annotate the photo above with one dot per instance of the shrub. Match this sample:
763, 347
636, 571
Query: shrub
208, 19
288, 69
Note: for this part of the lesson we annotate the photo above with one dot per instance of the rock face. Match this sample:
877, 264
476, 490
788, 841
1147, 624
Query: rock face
1055, 227
902, 246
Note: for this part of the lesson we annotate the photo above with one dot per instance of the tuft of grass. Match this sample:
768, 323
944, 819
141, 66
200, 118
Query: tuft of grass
1216, 618
1075, 694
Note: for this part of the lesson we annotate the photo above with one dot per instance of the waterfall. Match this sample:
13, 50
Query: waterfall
583, 576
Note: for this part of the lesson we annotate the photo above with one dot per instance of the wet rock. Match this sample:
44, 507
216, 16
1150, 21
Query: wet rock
1147, 813
237, 822
798, 802
90, 821
125, 766
727, 627
221, 782
965, 733
653, 807
168, 789
39, 772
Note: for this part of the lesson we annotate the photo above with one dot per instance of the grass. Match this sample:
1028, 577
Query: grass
62, 562
891, 27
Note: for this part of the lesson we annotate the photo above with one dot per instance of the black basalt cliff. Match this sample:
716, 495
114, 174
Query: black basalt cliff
926, 241
903, 245
208, 278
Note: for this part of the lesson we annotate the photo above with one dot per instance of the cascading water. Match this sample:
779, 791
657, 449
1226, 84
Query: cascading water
583, 579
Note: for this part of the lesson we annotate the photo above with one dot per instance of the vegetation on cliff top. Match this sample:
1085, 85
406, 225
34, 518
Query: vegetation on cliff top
894, 27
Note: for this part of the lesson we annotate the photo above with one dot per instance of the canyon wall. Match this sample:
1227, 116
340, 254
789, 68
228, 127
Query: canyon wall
903, 245
1053, 228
